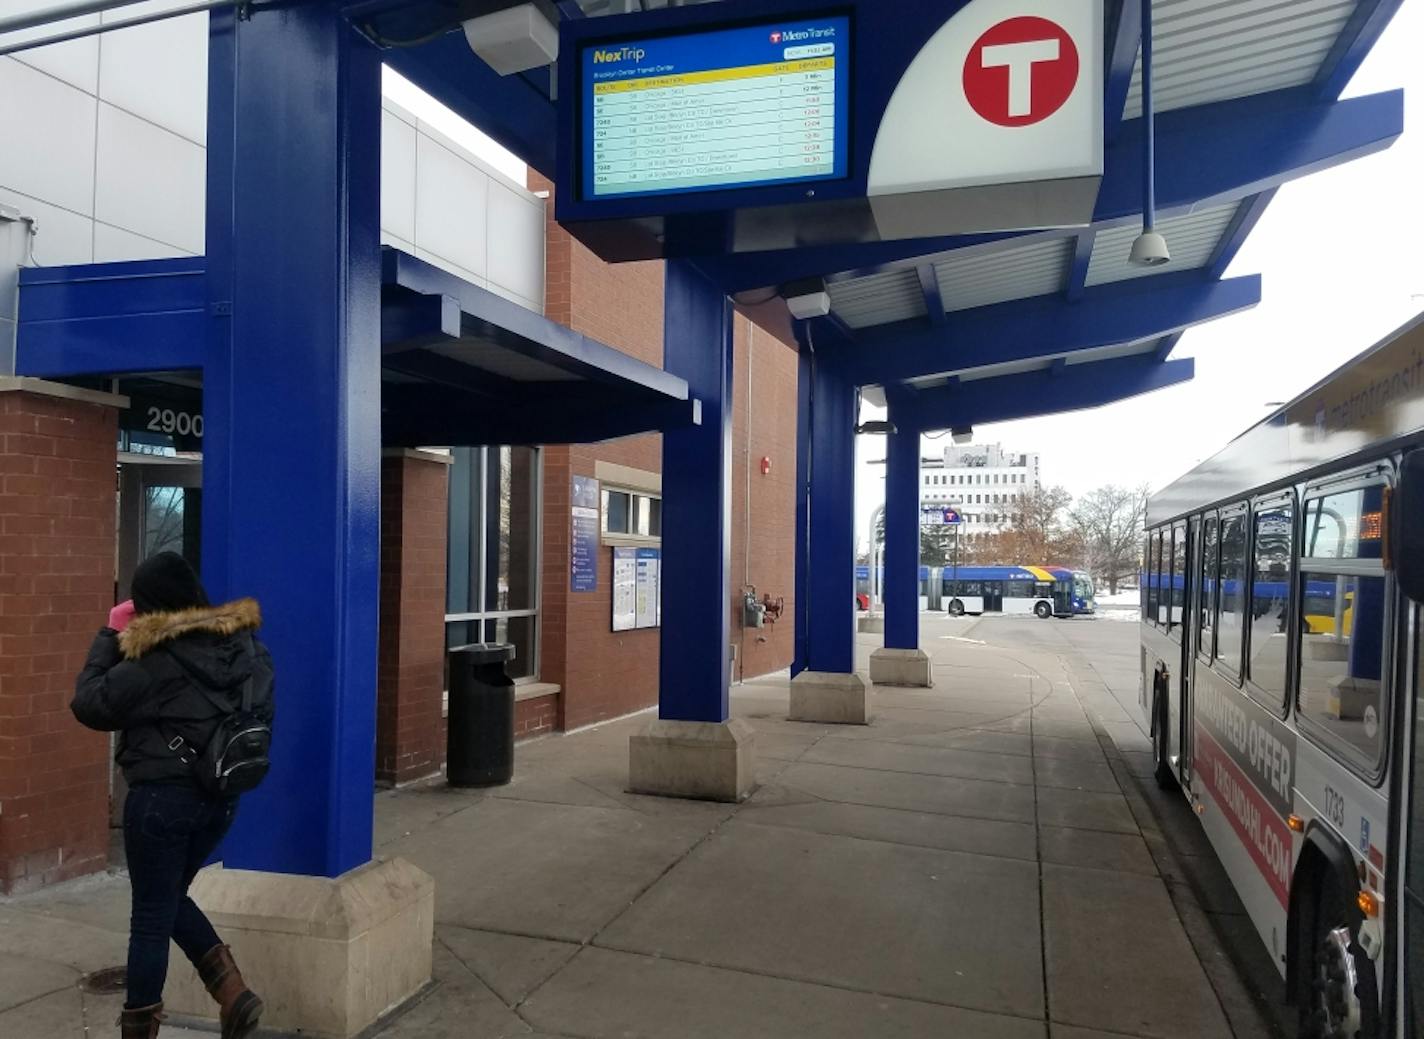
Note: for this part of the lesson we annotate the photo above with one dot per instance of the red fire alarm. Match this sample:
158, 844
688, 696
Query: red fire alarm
765, 465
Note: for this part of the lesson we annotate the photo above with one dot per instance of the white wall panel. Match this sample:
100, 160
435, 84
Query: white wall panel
150, 181
158, 72
397, 176
436, 260
61, 236
48, 138
450, 213
114, 243
516, 243
76, 62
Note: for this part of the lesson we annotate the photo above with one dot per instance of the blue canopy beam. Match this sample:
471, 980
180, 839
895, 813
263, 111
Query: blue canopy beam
1082, 258
109, 318
1045, 392
1126, 40
1024, 329
1211, 153
1367, 23
929, 287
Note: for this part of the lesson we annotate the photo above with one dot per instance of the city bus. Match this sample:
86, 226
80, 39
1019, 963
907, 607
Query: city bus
1044, 591
1280, 658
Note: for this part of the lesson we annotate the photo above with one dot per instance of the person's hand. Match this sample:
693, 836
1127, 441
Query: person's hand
121, 614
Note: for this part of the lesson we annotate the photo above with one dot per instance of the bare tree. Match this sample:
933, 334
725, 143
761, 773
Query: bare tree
1109, 521
1037, 533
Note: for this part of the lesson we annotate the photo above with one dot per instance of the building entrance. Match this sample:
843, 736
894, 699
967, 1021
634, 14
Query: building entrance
160, 510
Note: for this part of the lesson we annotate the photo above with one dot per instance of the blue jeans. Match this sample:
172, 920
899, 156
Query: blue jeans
170, 830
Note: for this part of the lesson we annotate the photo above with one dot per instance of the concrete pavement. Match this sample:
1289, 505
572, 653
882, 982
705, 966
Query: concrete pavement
979, 862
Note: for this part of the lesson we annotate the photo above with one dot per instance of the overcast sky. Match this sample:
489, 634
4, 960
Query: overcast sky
1340, 254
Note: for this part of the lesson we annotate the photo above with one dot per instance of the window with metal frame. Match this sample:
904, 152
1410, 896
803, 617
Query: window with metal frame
633, 514
1231, 614
1176, 581
1206, 604
1341, 694
1273, 547
1154, 578
492, 552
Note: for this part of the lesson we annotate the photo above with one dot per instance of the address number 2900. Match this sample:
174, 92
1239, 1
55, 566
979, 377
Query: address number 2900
166, 420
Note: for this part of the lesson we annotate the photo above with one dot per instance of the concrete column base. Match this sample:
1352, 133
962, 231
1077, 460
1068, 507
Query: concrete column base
903, 667
706, 761
328, 957
870, 625
829, 697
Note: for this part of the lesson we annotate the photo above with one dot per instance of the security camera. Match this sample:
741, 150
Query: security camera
807, 298
1149, 250
515, 38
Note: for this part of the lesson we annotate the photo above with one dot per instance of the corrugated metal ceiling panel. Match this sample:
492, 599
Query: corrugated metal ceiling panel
1213, 50
1192, 240
878, 299
1030, 270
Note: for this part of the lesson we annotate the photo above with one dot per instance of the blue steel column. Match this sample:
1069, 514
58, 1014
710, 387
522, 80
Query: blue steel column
292, 397
828, 449
694, 668
902, 529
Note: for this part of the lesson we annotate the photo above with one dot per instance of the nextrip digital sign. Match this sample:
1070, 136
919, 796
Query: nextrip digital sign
727, 108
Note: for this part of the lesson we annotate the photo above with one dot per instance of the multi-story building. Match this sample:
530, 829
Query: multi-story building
984, 481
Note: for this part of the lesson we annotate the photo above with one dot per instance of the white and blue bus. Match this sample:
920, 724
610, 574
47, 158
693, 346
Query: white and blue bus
1043, 591
1280, 662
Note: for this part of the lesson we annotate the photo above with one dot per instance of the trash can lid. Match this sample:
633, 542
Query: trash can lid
485, 652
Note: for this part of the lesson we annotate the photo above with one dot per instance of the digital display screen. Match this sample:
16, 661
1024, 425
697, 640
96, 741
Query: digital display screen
727, 108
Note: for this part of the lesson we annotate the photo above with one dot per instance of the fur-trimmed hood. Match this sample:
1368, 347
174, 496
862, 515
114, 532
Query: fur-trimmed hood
148, 631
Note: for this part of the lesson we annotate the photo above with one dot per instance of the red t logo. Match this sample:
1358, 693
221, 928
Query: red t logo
776, 37
1021, 71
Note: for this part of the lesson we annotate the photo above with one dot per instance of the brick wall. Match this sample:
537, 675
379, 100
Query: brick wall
606, 674
764, 553
410, 681
57, 535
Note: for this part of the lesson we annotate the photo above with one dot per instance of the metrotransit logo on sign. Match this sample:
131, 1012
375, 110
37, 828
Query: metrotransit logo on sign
1021, 71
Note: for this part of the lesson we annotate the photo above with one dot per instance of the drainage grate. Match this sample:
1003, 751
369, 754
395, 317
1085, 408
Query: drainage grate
106, 981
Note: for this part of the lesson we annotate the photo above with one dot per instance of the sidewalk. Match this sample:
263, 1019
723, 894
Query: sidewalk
968, 865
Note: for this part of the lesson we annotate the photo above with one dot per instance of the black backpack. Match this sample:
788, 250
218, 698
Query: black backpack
235, 758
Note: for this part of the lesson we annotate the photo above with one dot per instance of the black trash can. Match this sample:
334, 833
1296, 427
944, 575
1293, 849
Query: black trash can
480, 741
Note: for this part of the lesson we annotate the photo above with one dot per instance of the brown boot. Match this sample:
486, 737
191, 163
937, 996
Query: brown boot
239, 1007
140, 1022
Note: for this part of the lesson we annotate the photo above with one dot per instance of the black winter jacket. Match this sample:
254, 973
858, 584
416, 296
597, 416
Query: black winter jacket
143, 683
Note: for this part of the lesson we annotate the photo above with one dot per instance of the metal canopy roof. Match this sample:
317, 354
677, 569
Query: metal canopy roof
463, 365
1246, 97
460, 365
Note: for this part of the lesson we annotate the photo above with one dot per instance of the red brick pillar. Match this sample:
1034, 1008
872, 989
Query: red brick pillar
411, 677
58, 499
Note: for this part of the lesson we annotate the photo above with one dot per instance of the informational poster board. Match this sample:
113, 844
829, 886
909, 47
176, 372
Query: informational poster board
637, 588
625, 589
583, 550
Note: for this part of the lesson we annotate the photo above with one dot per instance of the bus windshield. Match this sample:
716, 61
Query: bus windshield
1082, 586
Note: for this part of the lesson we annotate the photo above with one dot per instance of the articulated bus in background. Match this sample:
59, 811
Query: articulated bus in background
1280, 676
1044, 591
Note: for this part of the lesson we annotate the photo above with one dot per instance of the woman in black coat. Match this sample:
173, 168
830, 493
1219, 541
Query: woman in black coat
157, 675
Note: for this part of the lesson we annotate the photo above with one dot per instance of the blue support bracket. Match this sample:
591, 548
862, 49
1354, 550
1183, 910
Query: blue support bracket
694, 672
929, 287
1248, 214
902, 524
1045, 392
1082, 257
1121, 60
414, 322
1367, 24
1109, 315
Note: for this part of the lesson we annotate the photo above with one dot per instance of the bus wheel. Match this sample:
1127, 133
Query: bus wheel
1042, 611
956, 608
1341, 1000
1164, 774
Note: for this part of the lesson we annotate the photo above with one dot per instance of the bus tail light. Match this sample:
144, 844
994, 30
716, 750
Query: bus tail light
1296, 823
1369, 904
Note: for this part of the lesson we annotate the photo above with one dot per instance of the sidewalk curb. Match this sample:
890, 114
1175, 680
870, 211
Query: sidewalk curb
1250, 1012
